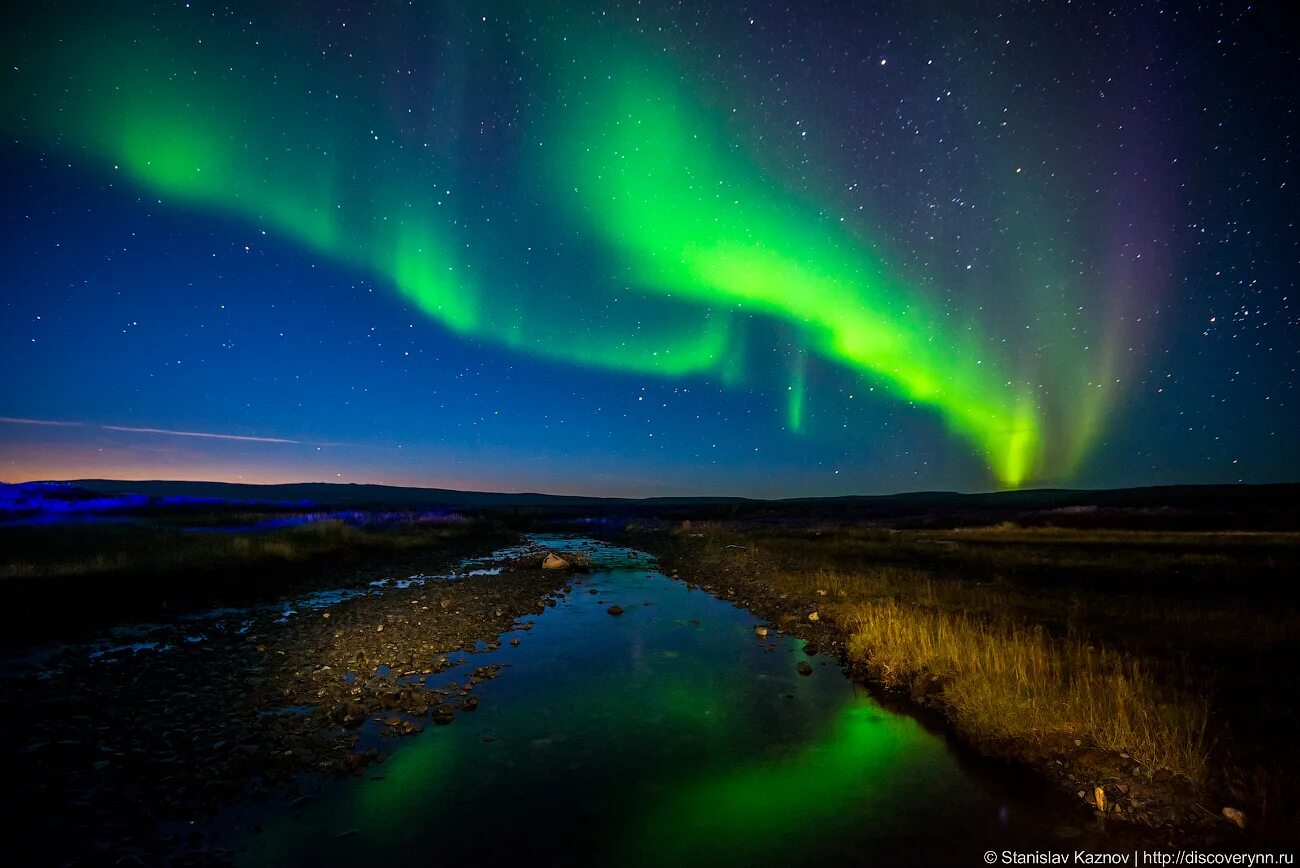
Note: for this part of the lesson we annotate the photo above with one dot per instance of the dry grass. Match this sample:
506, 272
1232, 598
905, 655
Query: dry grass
1006, 679
1002, 682
1007, 548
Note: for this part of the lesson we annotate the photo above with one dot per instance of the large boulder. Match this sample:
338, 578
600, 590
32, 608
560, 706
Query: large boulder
552, 561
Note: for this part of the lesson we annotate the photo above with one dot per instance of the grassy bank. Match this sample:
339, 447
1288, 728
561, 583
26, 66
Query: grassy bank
83, 551
1006, 683
1155, 666
62, 580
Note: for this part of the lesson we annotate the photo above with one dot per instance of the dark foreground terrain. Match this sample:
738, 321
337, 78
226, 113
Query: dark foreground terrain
173, 656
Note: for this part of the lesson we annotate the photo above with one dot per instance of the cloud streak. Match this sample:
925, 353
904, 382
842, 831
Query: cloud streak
209, 434
17, 420
168, 432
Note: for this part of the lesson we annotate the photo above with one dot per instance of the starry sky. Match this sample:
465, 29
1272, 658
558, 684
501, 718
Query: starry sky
650, 248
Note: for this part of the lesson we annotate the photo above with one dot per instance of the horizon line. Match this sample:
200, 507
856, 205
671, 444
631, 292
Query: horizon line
518, 493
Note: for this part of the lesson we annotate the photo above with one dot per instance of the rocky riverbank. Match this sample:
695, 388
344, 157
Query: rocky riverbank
109, 743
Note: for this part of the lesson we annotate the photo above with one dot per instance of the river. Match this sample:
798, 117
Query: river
669, 734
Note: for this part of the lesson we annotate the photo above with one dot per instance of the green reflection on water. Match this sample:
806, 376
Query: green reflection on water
667, 735
859, 772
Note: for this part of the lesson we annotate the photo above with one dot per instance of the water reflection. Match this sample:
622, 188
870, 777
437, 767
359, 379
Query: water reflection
667, 735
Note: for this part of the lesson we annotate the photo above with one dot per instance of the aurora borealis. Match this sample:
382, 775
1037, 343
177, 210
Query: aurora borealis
723, 249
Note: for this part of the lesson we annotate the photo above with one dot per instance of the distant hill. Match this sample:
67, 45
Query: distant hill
1177, 506
360, 495
354, 494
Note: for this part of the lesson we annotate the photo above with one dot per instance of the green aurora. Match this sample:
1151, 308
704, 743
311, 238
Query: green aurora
642, 198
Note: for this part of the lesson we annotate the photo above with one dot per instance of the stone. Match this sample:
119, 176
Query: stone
553, 561
760, 632
1235, 816
615, 610
813, 616
804, 667
352, 714
354, 763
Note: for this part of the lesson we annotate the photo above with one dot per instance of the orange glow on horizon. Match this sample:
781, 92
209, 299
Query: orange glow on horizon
34, 461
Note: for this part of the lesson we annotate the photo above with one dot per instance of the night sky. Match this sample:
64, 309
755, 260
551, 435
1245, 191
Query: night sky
642, 249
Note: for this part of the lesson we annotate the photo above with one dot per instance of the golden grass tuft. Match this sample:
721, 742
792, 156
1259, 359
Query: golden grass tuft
1005, 683
1005, 679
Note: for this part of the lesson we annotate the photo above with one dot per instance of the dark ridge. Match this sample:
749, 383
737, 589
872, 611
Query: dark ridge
360, 495
1258, 507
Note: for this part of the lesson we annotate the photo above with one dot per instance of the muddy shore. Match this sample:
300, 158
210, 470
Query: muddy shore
104, 749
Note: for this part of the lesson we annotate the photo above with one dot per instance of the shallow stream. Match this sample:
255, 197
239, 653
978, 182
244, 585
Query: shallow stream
670, 734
